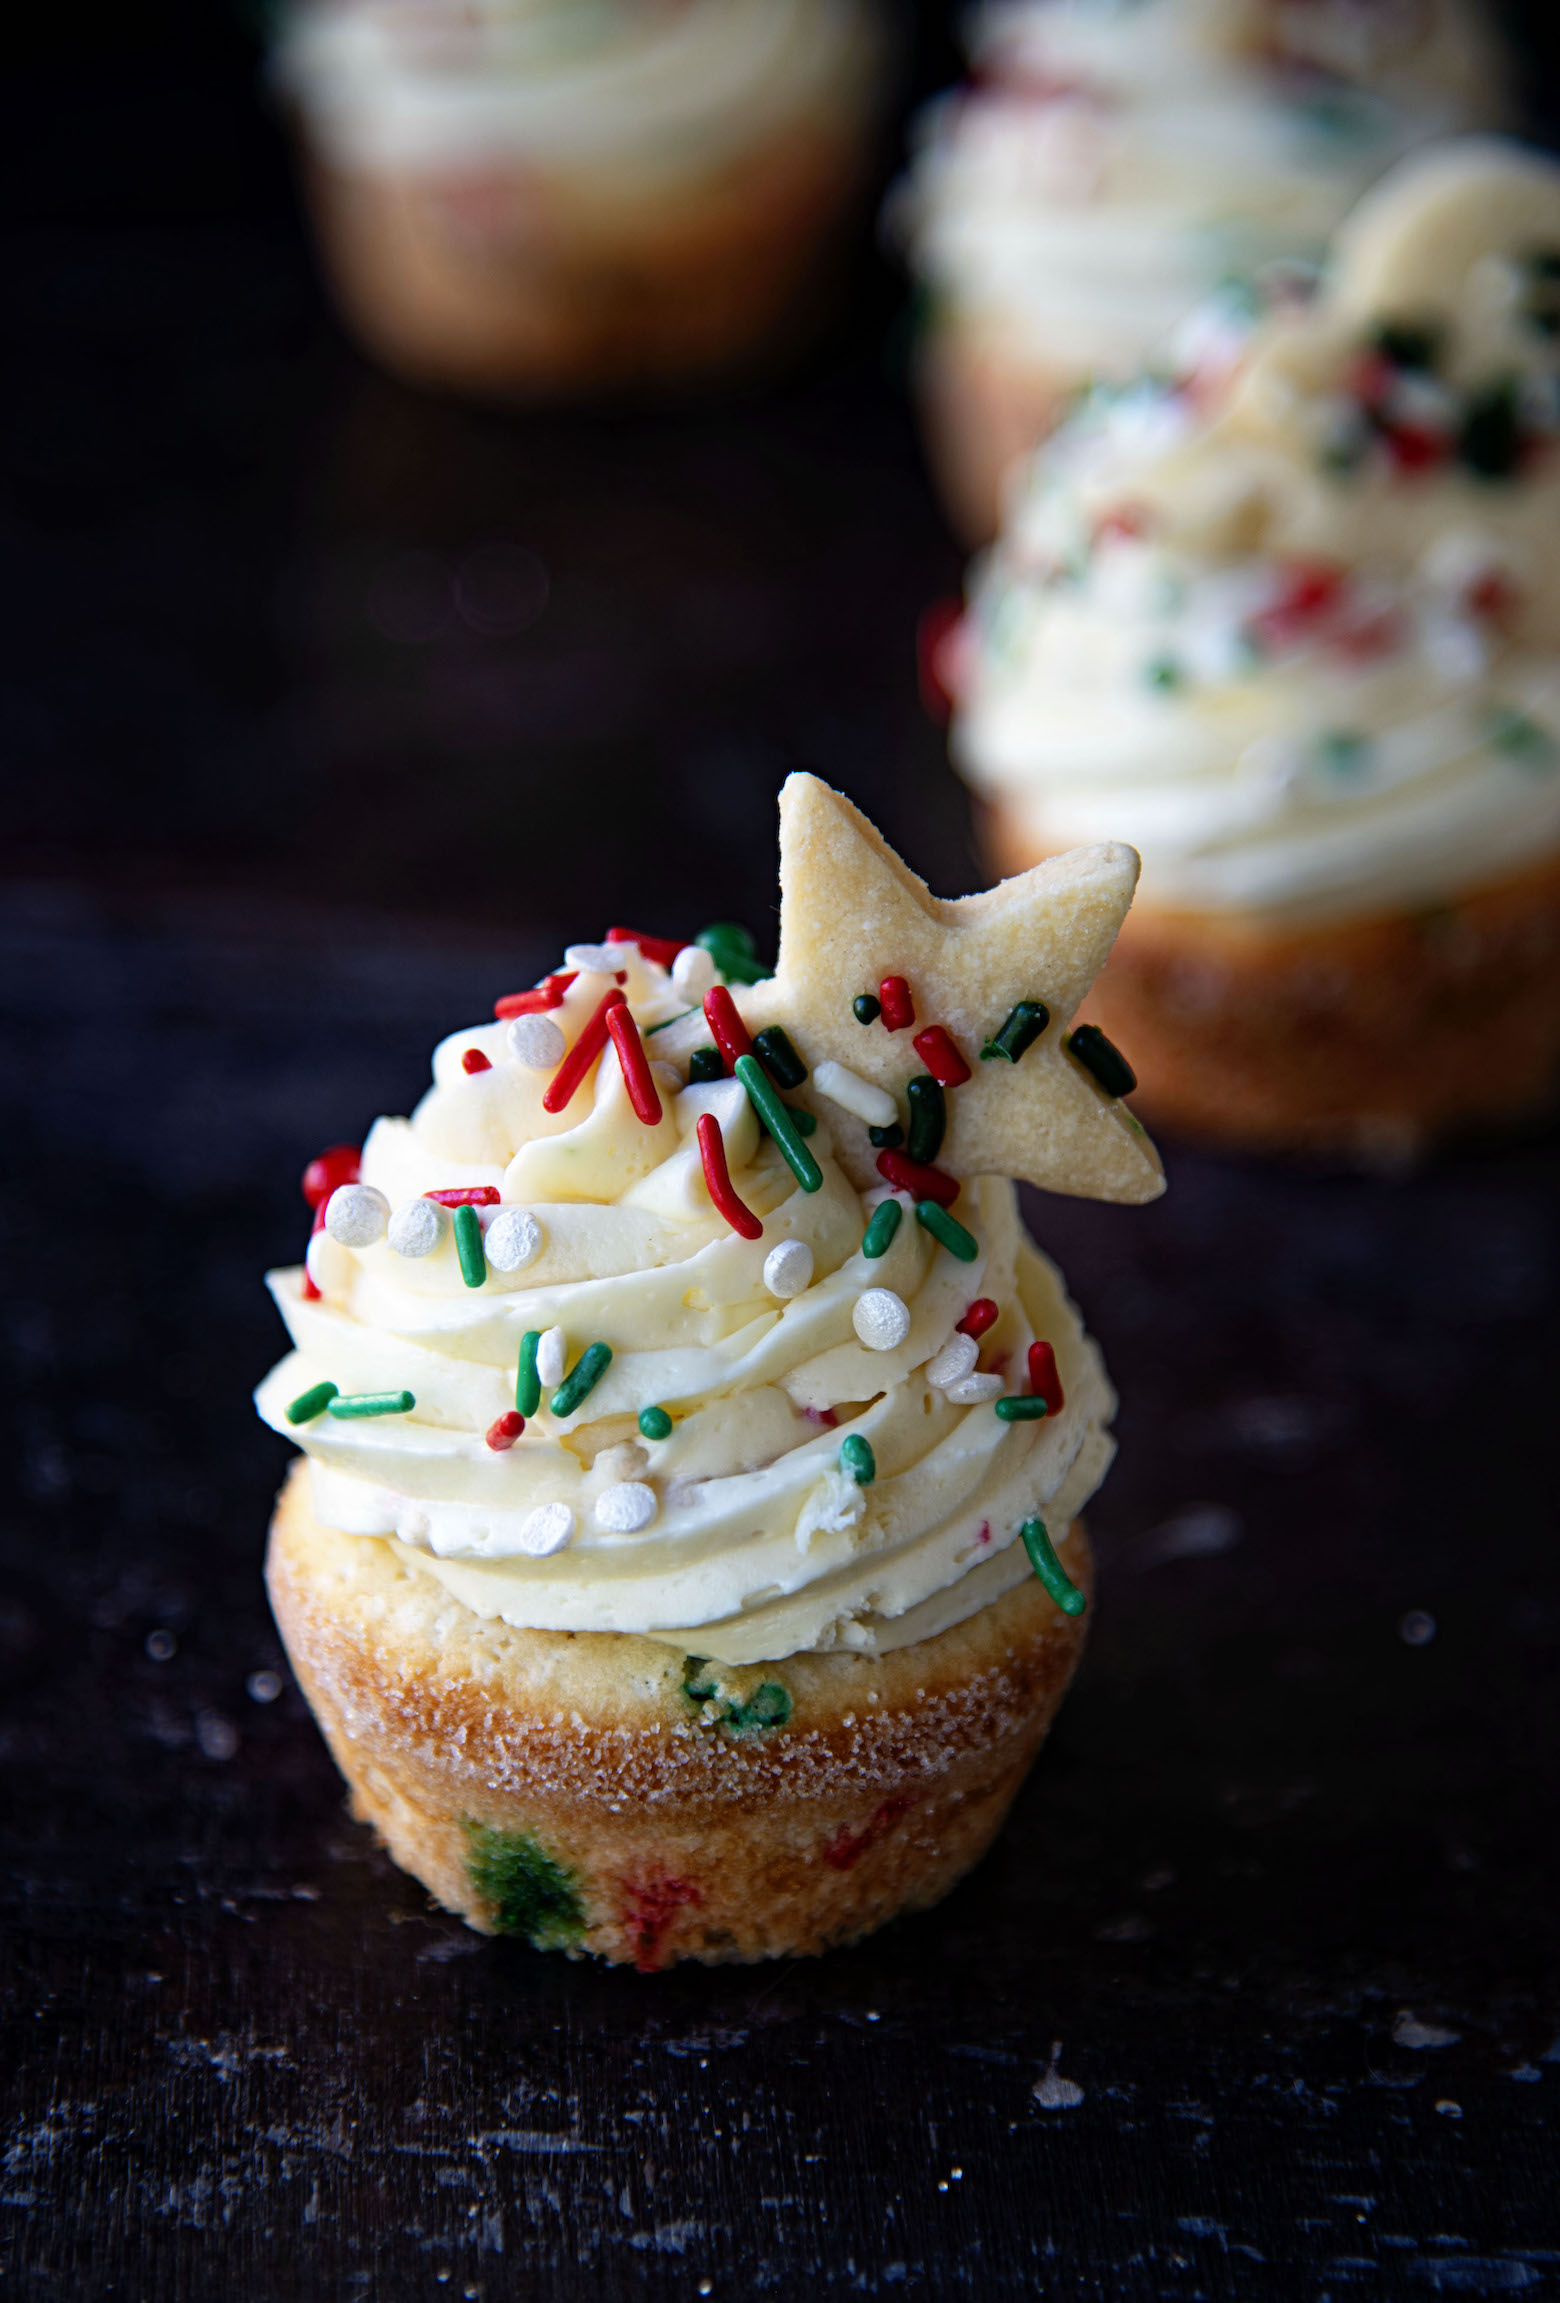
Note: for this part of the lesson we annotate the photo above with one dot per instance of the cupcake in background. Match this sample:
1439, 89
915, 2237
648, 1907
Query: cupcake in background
1290, 623
545, 196
1113, 162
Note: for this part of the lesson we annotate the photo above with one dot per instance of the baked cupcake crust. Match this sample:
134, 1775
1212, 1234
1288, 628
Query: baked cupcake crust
1365, 1038
602, 1793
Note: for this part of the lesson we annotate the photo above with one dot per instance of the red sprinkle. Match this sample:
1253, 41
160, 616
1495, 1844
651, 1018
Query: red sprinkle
920, 1182
824, 1415
732, 1036
942, 1059
466, 1195
1044, 1381
1493, 595
933, 657
505, 1431
311, 1293
648, 1912
845, 1850
898, 1006
328, 1171
593, 1038
1310, 590
475, 1061
982, 1314
661, 949
1417, 447
547, 994
636, 1066
712, 1151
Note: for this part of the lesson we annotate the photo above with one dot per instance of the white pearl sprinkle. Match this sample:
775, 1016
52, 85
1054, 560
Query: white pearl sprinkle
956, 1360
552, 1356
545, 1530
599, 959
788, 1269
974, 1390
881, 1318
693, 972
536, 1042
418, 1226
854, 1094
626, 1508
356, 1215
512, 1239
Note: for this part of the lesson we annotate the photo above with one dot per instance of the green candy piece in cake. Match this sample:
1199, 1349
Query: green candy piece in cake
527, 1891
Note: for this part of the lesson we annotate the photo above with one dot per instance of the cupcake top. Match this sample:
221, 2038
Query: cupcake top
1289, 616
653, 89
1114, 160
637, 1325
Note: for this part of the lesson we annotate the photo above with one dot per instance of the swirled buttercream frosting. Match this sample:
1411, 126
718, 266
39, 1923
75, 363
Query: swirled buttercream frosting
1287, 613
634, 1327
1110, 164
654, 89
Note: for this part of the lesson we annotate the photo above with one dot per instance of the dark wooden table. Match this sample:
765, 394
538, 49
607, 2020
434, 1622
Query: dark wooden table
1259, 1994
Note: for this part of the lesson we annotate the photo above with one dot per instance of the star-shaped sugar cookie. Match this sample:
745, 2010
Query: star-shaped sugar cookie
851, 915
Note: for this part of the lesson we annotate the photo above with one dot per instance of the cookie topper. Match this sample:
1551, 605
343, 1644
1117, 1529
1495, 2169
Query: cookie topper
854, 920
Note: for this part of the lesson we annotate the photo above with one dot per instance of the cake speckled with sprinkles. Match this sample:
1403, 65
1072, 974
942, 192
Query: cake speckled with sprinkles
686, 1562
1289, 620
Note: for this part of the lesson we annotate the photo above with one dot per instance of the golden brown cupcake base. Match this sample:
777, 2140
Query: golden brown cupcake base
982, 408
516, 283
601, 1793
1367, 1039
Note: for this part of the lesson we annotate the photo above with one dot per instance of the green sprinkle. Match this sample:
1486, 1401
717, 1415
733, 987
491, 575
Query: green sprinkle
1043, 1559
761, 1095
1106, 1064
878, 1237
528, 1384
468, 1246
705, 1064
928, 1119
312, 1402
1344, 752
527, 1891
857, 1458
886, 1139
581, 1379
1020, 1408
769, 1705
1165, 674
649, 1030
655, 1423
1018, 1032
1520, 737
1407, 345
784, 1066
364, 1403
733, 951
804, 1121
866, 1007
1490, 442
946, 1230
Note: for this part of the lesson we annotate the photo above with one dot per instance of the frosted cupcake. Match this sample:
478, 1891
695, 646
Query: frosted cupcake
1296, 634
543, 195
1112, 164
687, 1562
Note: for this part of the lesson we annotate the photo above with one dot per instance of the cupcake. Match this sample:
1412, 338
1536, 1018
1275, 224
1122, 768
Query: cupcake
539, 196
1296, 634
686, 1560
1110, 166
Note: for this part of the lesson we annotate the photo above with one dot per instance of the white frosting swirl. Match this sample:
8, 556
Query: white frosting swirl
753, 1543
655, 93
1113, 164
1295, 631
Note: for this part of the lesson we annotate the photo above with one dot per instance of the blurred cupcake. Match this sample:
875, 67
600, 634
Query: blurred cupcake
1293, 629
555, 195
1111, 164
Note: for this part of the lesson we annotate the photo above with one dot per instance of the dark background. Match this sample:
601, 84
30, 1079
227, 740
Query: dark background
327, 711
